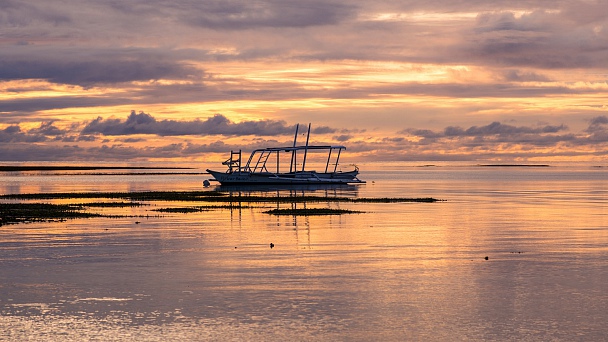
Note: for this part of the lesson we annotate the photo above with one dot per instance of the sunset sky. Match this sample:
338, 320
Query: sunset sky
432, 80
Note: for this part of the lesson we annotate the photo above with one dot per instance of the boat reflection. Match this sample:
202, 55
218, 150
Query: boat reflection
292, 190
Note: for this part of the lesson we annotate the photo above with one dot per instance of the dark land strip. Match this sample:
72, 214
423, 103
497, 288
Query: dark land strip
84, 168
514, 165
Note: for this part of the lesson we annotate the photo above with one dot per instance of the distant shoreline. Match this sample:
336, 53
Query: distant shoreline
84, 168
514, 165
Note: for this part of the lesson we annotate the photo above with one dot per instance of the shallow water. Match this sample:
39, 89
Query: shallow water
398, 271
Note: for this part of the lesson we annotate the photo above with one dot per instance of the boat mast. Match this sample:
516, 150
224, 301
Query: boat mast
337, 159
328, 159
306, 148
293, 152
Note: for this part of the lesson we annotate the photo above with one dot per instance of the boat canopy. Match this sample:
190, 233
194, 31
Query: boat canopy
269, 159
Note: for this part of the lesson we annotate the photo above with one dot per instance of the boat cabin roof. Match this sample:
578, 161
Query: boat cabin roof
295, 148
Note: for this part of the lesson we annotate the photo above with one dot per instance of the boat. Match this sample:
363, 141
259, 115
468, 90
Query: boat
268, 166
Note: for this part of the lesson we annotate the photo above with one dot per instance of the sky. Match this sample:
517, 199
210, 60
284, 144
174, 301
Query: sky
189, 80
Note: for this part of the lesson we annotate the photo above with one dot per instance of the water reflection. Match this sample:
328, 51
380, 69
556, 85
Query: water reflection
398, 271
291, 190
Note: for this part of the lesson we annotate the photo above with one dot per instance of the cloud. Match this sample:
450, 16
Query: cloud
497, 128
424, 133
90, 66
47, 128
118, 151
343, 137
432, 65
244, 14
494, 134
323, 130
14, 13
478, 142
598, 123
556, 39
46, 132
142, 123
537, 21
523, 76
598, 128
37, 152
14, 134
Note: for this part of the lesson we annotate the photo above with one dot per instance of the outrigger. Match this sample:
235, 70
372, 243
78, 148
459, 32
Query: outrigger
265, 166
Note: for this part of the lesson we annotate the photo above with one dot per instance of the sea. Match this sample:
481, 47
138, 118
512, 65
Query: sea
509, 253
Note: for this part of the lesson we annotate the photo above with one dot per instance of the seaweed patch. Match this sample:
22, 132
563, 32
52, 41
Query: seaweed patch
310, 212
12, 213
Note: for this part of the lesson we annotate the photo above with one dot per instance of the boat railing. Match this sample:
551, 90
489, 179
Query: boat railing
261, 162
234, 162
259, 158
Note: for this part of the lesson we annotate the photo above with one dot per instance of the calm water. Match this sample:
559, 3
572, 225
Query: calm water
402, 271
